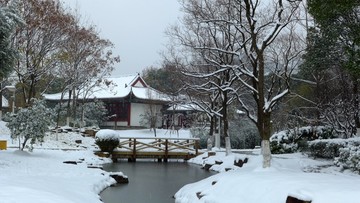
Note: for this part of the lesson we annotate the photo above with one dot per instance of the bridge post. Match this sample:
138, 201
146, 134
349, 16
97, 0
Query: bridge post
134, 151
196, 147
166, 150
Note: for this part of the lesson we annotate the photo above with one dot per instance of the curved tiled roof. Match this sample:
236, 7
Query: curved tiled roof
117, 87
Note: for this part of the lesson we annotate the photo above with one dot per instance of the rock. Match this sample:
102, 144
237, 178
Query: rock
214, 182
70, 162
78, 141
90, 132
218, 162
120, 179
93, 166
207, 166
211, 154
291, 199
239, 163
199, 195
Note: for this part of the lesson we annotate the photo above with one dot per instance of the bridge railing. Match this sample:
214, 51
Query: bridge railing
159, 144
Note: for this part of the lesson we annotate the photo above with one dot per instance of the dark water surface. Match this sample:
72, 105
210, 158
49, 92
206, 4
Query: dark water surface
151, 182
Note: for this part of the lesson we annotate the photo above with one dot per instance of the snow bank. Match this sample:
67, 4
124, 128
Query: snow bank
290, 174
41, 176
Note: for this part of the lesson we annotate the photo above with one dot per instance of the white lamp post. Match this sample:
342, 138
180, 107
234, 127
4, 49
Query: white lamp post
13, 90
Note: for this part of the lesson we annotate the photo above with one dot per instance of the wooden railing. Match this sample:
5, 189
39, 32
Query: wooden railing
157, 147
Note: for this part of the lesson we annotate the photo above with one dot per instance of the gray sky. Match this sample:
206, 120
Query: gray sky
136, 27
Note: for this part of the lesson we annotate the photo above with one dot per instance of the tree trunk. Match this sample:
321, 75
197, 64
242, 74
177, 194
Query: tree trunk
226, 124
356, 104
211, 134
1, 101
68, 110
227, 146
266, 153
264, 115
265, 143
217, 135
23, 144
74, 105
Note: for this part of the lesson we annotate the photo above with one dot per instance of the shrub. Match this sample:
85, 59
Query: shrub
107, 140
327, 149
349, 156
282, 148
201, 133
30, 124
290, 141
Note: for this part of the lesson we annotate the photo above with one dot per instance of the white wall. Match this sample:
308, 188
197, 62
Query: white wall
137, 110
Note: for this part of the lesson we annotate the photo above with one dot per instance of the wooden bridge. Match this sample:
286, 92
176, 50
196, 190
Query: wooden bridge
156, 148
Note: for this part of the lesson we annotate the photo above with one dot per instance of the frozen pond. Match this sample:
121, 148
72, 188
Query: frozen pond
151, 182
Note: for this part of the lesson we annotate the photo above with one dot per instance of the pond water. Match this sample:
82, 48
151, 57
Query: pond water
151, 182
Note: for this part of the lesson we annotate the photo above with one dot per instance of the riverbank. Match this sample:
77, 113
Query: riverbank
42, 177
293, 175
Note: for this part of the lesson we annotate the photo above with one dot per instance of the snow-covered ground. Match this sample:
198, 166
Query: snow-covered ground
290, 174
41, 175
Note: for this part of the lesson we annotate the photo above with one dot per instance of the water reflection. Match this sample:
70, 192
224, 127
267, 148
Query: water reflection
151, 182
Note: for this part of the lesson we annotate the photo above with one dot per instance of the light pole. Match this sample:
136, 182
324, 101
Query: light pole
13, 90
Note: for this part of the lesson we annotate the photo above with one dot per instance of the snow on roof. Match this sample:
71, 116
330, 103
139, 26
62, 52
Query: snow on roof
118, 87
184, 107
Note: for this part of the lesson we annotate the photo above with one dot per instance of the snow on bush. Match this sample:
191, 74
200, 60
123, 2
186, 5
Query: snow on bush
289, 141
107, 134
327, 149
331, 148
107, 140
349, 156
30, 123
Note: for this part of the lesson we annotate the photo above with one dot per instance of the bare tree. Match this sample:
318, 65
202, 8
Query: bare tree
252, 44
208, 36
85, 58
46, 24
271, 49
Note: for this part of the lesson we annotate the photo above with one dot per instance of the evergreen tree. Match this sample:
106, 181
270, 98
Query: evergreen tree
332, 62
9, 19
30, 123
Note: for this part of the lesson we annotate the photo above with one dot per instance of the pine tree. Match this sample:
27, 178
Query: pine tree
30, 123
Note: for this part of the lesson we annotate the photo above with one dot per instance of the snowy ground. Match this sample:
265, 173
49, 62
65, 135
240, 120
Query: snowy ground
41, 176
290, 174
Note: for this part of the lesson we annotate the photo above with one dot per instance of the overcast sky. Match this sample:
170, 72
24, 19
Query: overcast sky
136, 27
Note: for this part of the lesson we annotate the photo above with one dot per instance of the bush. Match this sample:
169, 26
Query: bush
30, 124
282, 148
107, 140
349, 157
201, 133
327, 149
107, 145
290, 141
